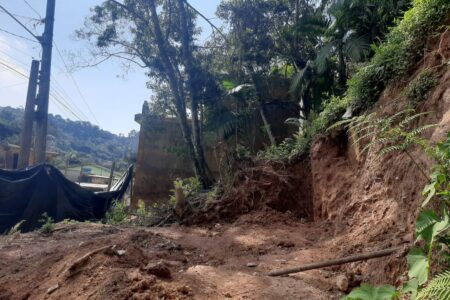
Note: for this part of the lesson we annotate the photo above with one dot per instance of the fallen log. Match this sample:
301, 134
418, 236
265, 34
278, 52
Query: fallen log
338, 261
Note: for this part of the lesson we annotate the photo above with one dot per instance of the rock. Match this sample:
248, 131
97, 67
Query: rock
52, 288
185, 290
228, 295
252, 265
121, 252
342, 283
286, 244
281, 261
158, 269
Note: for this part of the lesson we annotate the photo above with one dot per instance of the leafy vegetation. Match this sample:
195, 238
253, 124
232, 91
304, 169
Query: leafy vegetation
438, 288
16, 228
117, 214
368, 292
393, 59
418, 90
190, 186
393, 133
48, 224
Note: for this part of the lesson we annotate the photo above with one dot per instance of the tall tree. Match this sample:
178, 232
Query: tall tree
152, 34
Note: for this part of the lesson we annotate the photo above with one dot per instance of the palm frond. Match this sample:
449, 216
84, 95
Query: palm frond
324, 53
389, 149
342, 123
297, 83
364, 136
359, 131
356, 48
409, 119
438, 288
420, 130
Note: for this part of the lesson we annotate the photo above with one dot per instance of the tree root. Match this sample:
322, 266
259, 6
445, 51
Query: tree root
82, 261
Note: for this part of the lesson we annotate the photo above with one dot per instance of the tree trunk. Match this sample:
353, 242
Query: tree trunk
342, 69
176, 87
267, 126
192, 78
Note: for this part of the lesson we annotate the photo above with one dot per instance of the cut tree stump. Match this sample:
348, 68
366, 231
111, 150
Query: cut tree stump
338, 261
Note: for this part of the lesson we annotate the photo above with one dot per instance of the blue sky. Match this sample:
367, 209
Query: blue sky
104, 95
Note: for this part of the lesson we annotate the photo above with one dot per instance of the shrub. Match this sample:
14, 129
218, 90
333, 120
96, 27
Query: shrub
419, 89
48, 224
190, 186
393, 59
117, 214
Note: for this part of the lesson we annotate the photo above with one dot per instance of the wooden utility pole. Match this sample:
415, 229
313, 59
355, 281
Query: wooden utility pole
27, 127
44, 84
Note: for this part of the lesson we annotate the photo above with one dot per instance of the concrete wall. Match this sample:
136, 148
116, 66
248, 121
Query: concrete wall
162, 158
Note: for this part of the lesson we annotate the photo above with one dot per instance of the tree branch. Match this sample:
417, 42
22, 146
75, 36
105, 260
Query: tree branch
207, 20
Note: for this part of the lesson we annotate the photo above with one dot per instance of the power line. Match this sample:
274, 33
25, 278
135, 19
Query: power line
57, 89
17, 35
20, 23
57, 98
14, 85
16, 48
23, 17
69, 102
15, 59
33, 9
13, 69
76, 84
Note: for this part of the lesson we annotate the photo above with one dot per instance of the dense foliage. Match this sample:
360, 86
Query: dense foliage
392, 60
81, 142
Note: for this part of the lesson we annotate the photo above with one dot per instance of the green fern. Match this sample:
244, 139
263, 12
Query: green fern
438, 288
392, 133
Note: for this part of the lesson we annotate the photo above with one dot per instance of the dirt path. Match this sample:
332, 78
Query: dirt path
220, 262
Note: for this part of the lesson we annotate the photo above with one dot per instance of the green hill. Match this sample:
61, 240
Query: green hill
81, 142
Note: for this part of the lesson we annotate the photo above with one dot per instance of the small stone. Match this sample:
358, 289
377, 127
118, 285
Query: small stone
185, 290
121, 252
158, 269
342, 283
252, 265
52, 288
228, 295
286, 244
281, 261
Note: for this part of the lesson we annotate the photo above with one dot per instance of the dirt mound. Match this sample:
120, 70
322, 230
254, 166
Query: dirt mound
87, 262
278, 186
91, 261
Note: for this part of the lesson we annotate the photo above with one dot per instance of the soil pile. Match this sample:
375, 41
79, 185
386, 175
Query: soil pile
91, 261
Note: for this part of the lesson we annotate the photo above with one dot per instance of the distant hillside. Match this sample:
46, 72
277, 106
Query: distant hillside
82, 141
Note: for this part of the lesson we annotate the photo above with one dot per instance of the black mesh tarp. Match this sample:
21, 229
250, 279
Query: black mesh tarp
26, 195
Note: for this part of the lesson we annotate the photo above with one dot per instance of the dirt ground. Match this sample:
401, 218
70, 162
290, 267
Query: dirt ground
359, 204
225, 261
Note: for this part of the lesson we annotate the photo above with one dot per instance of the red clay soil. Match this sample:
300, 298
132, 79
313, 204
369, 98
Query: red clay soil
359, 203
372, 203
220, 262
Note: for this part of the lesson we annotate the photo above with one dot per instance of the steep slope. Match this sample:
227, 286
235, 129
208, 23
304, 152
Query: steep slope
372, 203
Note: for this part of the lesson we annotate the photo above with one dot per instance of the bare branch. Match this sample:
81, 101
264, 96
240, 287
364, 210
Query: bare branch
207, 20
